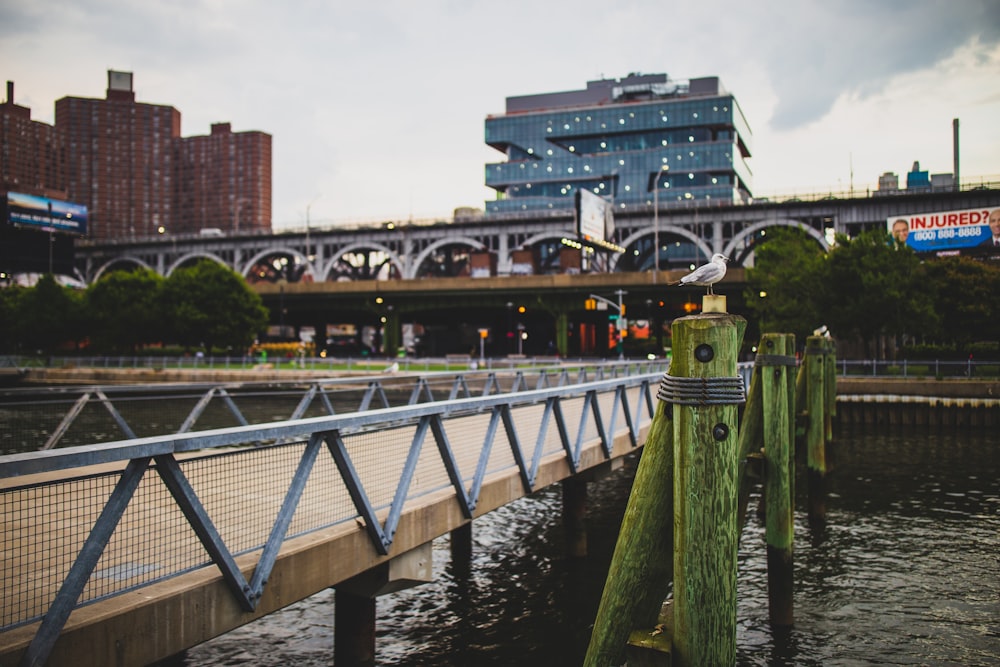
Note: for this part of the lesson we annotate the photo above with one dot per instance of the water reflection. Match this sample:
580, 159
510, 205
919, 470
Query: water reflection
905, 571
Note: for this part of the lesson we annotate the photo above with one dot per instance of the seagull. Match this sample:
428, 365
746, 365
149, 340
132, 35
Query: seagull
707, 274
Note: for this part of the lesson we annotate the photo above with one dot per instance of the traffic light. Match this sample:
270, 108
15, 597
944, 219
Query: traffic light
590, 304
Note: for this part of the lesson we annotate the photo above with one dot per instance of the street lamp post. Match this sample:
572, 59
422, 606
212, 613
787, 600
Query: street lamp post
656, 224
309, 254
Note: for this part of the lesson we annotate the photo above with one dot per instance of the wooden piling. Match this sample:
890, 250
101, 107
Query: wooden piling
641, 568
816, 428
829, 386
751, 439
705, 495
778, 401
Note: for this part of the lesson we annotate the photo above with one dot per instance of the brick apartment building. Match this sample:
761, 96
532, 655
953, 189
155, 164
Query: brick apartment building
126, 161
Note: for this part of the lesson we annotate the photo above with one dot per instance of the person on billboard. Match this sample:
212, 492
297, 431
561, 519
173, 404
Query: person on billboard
993, 238
900, 230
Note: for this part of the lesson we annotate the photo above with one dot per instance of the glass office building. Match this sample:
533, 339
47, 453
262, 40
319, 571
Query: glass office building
620, 138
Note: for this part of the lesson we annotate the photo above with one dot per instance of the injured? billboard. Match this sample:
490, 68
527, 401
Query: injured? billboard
947, 230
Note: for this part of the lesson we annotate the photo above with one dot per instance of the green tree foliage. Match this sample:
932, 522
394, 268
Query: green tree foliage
873, 287
125, 310
10, 298
863, 288
210, 305
788, 271
966, 297
49, 316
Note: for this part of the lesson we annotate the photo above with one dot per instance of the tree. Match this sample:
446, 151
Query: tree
10, 298
966, 297
210, 305
786, 283
125, 307
50, 315
873, 287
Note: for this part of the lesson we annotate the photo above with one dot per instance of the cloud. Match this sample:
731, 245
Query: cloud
821, 51
378, 108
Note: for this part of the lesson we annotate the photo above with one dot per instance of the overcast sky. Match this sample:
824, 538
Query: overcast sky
377, 109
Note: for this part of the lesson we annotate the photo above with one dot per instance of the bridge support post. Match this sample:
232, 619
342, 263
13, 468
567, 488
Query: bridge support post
354, 630
460, 541
562, 334
574, 514
354, 619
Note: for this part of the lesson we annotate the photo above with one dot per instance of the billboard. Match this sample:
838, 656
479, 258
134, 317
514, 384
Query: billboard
946, 230
590, 215
594, 220
51, 215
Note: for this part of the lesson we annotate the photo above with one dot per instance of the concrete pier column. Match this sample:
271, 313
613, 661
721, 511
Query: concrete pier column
461, 549
354, 630
354, 619
574, 506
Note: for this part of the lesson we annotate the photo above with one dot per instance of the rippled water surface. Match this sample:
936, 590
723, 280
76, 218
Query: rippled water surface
906, 571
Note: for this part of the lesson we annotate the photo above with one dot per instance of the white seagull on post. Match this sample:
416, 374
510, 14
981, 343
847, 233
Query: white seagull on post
707, 274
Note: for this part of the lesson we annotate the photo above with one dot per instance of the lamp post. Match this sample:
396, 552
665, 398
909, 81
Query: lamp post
51, 240
656, 223
510, 327
309, 254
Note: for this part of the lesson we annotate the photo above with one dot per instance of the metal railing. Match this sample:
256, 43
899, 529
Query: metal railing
47, 417
94, 524
970, 368
457, 362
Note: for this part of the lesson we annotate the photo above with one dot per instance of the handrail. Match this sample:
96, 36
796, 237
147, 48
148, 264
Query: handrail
72, 401
521, 419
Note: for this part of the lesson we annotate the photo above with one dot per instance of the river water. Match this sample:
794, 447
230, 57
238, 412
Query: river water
906, 571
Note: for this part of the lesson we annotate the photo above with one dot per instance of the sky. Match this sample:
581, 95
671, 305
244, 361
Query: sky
377, 109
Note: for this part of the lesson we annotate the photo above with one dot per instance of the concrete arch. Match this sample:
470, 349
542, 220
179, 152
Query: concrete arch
193, 255
250, 262
429, 250
737, 240
394, 259
670, 231
531, 242
118, 260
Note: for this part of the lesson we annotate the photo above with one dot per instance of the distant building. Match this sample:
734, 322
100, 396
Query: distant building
29, 154
127, 163
119, 159
917, 178
617, 138
224, 181
888, 182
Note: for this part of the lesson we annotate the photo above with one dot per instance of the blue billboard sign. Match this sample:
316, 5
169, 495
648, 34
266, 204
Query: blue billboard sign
946, 230
53, 215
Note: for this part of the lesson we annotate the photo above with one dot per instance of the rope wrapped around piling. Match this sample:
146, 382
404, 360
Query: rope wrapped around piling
702, 391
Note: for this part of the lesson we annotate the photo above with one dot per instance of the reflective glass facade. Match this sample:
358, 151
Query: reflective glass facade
617, 138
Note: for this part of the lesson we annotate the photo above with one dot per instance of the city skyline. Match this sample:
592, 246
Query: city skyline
378, 112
